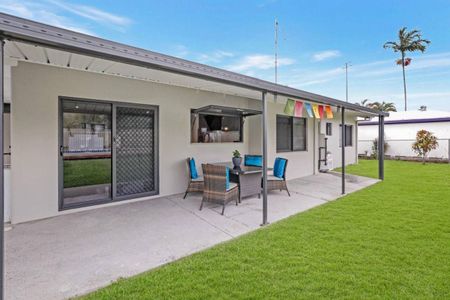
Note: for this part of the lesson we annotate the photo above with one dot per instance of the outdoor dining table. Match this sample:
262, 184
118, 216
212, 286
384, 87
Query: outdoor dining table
247, 177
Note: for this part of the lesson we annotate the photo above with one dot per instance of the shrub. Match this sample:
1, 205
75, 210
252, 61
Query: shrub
375, 147
425, 142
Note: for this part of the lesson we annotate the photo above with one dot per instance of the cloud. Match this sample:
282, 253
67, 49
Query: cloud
40, 13
92, 13
327, 54
60, 14
15, 8
427, 95
214, 57
258, 61
303, 78
375, 71
180, 51
427, 80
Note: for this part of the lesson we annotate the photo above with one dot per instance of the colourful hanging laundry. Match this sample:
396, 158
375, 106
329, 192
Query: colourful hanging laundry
298, 111
321, 111
329, 112
289, 108
309, 109
316, 111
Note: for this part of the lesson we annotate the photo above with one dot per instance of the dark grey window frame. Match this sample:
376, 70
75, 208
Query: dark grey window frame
291, 124
346, 136
241, 128
113, 198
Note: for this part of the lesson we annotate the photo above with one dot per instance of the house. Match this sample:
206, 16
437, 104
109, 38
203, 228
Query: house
400, 132
90, 123
94, 123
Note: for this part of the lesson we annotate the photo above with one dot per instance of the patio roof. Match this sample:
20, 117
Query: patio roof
19, 29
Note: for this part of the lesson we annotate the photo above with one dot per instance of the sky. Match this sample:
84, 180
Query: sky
316, 39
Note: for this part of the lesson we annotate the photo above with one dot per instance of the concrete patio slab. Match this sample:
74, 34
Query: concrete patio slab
73, 254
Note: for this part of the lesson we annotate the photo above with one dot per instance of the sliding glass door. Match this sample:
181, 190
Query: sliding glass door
107, 152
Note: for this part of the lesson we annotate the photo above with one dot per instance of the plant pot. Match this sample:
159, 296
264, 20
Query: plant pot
237, 161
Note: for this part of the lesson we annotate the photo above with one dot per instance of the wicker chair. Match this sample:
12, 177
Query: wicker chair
215, 186
195, 185
278, 183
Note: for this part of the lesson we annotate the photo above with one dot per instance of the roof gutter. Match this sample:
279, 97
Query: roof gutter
15, 28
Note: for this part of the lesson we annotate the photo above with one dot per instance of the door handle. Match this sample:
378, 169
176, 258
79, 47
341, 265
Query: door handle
61, 150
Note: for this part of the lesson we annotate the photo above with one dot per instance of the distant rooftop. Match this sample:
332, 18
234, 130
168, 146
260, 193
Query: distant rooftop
417, 114
412, 116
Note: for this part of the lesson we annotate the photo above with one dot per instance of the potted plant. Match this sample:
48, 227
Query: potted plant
237, 159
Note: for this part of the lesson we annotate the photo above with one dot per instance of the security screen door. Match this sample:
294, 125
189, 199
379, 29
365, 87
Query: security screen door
108, 152
134, 149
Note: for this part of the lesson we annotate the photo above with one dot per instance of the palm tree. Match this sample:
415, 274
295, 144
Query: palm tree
408, 41
383, 106
364, 102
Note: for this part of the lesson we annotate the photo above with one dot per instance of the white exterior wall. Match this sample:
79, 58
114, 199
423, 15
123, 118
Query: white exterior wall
401, 136
304, 163
34, 133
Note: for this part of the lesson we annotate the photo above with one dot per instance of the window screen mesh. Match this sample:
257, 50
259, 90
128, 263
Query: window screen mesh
135, 151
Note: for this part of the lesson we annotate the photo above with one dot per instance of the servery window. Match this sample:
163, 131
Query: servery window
291, 134
216, 128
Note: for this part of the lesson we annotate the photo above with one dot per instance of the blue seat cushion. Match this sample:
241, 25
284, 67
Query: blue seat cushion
253, 160
227, 183
278, 167
193, 169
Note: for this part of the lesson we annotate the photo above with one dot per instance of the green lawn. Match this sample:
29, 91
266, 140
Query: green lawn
87, 172
391, 240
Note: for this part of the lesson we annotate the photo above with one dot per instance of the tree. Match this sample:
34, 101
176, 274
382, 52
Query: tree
381, 106
425, 142
364, 102
408, 41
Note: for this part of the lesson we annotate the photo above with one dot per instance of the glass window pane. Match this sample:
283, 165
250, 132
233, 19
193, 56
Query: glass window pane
215, 129
348, 135
329, 129
86, 151
299, 134
284, 134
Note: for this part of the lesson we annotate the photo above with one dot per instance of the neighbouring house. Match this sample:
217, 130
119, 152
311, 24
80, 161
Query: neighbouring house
400, 133
91, 123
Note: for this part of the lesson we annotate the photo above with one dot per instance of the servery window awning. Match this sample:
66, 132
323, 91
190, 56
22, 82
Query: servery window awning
226, 111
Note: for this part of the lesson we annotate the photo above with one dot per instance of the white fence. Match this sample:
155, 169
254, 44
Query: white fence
84, 140
402, 148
